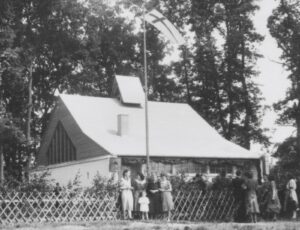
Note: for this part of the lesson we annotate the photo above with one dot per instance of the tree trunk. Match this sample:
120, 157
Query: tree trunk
298, 107
248, 110
219, 101
298, 136
298, 126
229, 56
188, 94
28, 124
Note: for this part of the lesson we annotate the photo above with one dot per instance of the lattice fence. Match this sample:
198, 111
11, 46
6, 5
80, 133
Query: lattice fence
199, 205
193, 205
18, 208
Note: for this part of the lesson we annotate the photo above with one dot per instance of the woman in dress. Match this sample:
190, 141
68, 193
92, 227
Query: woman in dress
273, 203
126, 194
252, 207
292, 198
166, 195
139, 186
154, 196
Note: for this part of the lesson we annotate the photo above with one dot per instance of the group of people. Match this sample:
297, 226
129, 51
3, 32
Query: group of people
141, 198
245, 193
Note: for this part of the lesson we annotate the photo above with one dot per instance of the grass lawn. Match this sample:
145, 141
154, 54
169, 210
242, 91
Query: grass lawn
131, 225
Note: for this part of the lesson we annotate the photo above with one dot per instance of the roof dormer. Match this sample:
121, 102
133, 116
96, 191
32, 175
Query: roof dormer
129, 89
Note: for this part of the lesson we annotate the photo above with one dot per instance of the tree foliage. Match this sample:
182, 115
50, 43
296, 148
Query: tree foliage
288, 161
220, 74
284, 26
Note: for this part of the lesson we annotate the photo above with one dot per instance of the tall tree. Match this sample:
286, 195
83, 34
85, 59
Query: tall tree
223, 88
11, 137
45, 38
109, 48
284, 26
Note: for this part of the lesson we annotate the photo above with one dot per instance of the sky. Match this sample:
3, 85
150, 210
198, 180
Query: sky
272, 79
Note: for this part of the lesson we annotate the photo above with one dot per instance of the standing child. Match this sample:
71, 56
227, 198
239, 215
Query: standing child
144, 205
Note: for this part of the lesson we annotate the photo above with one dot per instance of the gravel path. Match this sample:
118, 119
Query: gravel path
125, 225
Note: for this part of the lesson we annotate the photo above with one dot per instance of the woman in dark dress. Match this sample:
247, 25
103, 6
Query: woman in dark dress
153, 187
239, 197
139, 185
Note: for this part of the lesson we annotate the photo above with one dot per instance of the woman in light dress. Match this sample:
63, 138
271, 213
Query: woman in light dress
126, 194
252, 207
292, 198
273, 203
166, 195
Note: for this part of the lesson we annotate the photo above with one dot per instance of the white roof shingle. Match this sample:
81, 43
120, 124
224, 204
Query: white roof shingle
175, 129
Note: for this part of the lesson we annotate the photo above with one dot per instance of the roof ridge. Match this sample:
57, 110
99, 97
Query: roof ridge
103, 97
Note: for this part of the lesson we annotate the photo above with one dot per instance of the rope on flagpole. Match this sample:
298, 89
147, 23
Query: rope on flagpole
146, 94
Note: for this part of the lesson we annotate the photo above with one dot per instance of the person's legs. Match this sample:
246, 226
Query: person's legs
274, 216
294, 215
129, 214
124, 214
169, 215
142, 215
146, 216
253, 217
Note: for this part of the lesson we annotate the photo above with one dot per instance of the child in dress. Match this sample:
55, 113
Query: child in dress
144, 205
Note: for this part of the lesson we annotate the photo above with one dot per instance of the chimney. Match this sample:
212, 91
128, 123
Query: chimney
123, 123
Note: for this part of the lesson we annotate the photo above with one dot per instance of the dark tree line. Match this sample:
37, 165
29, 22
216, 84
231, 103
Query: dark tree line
78, 47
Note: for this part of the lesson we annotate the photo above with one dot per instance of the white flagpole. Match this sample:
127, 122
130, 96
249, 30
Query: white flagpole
146, 94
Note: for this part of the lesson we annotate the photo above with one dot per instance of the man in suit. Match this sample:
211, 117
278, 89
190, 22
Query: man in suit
239, 196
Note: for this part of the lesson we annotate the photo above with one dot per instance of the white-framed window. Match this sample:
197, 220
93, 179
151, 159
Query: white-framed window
217, 169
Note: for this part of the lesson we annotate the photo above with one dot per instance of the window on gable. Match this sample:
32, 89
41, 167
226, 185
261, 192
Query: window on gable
61, 148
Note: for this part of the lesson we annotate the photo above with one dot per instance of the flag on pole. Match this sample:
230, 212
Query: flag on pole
164, 26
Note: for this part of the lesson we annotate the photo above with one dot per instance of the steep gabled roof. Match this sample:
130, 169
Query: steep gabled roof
175, 129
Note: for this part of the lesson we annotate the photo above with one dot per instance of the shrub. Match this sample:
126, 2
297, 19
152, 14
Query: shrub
181, 182
74, 186
102, 184
39, 182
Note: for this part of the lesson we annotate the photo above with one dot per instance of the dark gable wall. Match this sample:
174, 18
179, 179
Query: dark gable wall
85, 146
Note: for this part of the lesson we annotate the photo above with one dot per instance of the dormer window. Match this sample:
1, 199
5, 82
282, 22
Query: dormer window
129, 90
